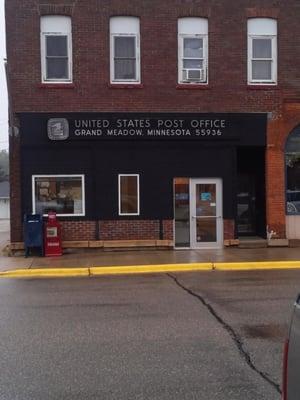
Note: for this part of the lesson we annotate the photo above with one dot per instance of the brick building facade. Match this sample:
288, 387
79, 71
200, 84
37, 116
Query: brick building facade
223, 79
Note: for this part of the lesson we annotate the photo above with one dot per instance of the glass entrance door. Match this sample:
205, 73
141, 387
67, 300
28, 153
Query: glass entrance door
206, 220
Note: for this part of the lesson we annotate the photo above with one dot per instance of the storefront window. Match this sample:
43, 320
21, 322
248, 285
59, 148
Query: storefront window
129, 202
62, 194
292, 160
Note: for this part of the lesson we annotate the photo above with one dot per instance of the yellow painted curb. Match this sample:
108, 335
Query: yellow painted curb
260, 265
150, 269
45, 272
97, 271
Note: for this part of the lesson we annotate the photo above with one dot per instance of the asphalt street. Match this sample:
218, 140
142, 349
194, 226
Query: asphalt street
206, 335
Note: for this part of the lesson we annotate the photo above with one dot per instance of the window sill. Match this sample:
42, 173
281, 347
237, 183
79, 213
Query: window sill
56, 85
188, 86
129, 215
126, 85
65, 215
264, 86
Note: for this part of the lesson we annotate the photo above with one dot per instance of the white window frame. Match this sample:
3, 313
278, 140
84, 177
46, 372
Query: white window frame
45, 32
82, 177
125, 27
192, 28
138, 195
273, 58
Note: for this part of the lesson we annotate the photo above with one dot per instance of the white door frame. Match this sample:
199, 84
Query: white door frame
219, 214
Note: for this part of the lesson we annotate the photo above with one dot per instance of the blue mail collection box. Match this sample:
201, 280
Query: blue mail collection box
33, 232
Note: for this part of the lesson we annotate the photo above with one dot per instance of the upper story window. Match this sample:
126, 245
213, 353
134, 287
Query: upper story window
125, 50
262, 51
56, 48
192, 50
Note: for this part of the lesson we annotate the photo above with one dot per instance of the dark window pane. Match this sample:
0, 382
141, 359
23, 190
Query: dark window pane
292, 161
193, 64
57, 68
124, 47
206, 200
60, 194
129, 194
125, 69
293, 143
182, 212
56, 46
262, 70
193, 48
293, 183
262, 48
206, 230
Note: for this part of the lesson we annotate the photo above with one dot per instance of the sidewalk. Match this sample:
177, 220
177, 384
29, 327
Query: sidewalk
91, 258
92, 261
233, 258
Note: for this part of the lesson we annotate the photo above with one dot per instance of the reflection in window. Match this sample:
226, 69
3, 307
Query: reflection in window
182, 212
129, 195
125, 49
192, 50
292, 160
57, 61
262, 50
61, 194
125, 58
56, 48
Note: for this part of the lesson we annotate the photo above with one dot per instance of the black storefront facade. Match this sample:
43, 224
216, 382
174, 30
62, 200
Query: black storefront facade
203, 174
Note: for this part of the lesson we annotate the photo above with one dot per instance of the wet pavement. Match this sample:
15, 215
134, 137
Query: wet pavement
99, 257
92, 258
206, 335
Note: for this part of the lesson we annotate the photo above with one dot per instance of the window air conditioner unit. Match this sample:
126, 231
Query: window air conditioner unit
194, 75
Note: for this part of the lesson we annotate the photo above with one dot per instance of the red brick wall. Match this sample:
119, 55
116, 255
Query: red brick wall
78, 230
227, 90
129, 230
229, 226
168, 229
278, 133
115, 230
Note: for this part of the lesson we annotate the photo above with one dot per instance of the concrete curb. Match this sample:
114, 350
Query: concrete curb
261, 265
148, 269
45, 273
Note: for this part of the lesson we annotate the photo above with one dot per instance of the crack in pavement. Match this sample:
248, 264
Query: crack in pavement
233, 334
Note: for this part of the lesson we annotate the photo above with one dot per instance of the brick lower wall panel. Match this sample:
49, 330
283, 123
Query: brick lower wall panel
168, 229
229, 229
129, 230
78, 230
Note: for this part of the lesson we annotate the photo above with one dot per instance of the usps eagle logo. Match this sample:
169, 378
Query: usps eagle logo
58, 129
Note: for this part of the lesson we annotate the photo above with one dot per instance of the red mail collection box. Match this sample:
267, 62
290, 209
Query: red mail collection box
52, 236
